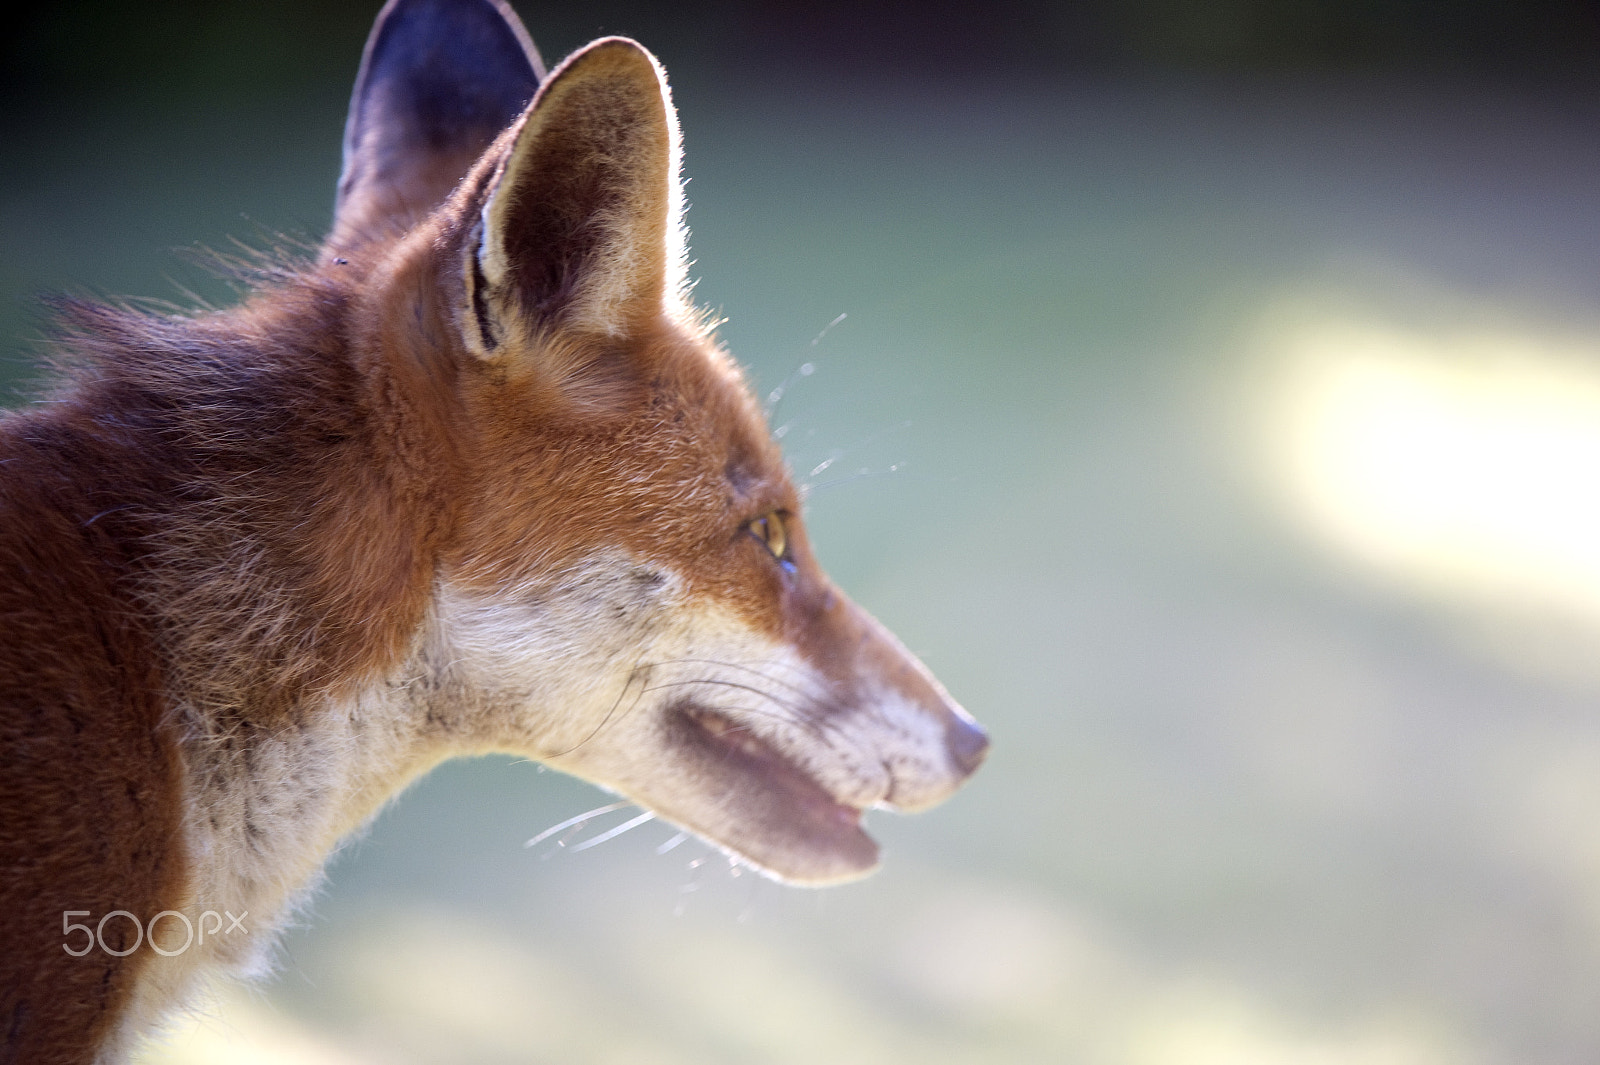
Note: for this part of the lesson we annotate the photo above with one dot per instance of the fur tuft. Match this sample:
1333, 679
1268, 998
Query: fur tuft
477, 478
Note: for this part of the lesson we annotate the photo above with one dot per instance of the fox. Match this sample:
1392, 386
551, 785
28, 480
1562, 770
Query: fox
475, 475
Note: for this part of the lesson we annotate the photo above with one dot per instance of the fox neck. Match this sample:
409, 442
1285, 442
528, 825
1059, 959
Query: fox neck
272, 504
263, 813
266, 808
276, 500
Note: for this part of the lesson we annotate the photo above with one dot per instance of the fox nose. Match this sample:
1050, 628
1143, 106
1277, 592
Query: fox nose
967, 742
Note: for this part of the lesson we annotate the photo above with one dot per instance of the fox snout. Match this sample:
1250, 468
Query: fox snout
479, 478
928, 742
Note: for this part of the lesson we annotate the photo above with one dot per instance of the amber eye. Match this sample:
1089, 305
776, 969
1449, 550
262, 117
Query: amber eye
770, 531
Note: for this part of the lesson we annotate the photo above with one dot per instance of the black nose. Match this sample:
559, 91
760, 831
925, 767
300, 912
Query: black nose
968, 744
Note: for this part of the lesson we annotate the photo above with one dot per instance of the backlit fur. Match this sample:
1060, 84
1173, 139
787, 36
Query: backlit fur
478, 479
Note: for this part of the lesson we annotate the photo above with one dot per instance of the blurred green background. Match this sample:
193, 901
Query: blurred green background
1216, 410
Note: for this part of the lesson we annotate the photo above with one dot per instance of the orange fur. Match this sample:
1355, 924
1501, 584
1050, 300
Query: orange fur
471, 481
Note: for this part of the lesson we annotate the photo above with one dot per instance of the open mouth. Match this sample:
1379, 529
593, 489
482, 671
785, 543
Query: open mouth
769, 810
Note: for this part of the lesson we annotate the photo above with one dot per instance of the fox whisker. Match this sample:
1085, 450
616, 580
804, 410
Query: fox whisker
795, 716
578, 821
611, 714
471, 474
626, 826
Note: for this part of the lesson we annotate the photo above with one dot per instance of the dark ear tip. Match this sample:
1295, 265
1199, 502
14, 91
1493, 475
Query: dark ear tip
476, 42
439, 80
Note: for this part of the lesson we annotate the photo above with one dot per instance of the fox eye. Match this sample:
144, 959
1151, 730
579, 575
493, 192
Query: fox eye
770, 530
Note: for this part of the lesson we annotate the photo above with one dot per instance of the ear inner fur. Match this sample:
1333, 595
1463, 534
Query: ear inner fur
581, 229
263, 566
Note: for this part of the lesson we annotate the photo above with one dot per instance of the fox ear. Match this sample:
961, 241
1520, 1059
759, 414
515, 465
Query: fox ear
439, 80
580, 228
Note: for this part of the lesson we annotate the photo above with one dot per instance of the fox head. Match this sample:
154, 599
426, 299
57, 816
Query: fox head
623, 587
